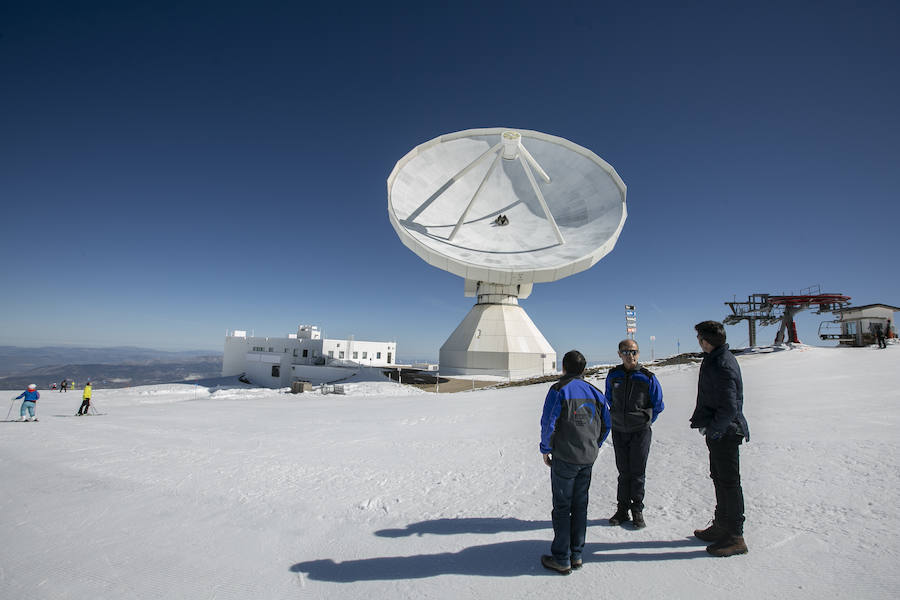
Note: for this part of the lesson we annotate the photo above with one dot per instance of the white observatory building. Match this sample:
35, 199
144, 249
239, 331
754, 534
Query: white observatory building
504, 209
277, 362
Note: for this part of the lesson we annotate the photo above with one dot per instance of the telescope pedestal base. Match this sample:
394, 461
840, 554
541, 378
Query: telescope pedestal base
499, 340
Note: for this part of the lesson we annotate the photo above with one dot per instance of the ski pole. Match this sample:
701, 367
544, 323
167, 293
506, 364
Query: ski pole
9, 412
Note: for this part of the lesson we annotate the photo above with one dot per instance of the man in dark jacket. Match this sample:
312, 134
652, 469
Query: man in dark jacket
635, 401
574, 424
879, 335
719, 417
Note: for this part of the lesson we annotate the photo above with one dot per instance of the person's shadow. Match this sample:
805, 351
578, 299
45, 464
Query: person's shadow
471, 525
502, 559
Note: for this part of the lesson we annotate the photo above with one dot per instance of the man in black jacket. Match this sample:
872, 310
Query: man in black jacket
635, 400
719, 417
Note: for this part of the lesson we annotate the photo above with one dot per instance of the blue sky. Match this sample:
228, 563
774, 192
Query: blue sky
170, 170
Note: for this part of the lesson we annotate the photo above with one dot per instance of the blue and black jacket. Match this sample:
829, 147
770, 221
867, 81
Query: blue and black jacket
575, 421
29, 395
635, 398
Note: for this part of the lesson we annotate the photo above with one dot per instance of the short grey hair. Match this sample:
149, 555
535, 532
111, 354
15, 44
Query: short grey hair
625, 341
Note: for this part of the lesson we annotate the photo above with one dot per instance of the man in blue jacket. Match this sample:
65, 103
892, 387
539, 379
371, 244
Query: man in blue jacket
574, 424
720, 418
635, 401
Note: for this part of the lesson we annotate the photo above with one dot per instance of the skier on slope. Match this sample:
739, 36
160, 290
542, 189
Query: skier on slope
31, 396
85, 400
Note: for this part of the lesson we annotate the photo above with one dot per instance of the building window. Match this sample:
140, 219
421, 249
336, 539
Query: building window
271, 349
257, 348
342, 354
295, 352
389, 358
305, 353
331, 354
276, 370
378, 355
365, 355
356, 355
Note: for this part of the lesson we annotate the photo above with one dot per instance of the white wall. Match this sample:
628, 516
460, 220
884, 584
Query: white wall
256, 355
360, 347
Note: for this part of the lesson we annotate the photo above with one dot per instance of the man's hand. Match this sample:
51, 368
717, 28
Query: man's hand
547, 460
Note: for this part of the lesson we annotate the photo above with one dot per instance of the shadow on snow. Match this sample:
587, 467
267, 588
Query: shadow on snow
502, 559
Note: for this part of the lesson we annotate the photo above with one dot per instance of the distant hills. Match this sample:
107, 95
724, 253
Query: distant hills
108, 367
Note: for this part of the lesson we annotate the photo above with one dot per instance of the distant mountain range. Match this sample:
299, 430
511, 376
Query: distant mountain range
108, 367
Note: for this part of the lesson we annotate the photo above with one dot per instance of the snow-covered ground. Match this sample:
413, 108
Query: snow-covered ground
181, 491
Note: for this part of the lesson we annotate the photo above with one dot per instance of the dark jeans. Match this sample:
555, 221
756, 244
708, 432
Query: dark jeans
85, 405
725, 471
570, 484
631, 461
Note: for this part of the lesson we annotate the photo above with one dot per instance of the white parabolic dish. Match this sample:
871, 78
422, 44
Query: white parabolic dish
565, 206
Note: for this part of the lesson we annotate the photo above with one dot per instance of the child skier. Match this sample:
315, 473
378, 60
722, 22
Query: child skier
31, 396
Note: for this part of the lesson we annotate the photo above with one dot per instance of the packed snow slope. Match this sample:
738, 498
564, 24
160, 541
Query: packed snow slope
182, 491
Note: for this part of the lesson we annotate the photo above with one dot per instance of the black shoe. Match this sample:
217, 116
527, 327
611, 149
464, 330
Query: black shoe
728, 546
637, 519
620, 517
577, 563
550, 563
713, 533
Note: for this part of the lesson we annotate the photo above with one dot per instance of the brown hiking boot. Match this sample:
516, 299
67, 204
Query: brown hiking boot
728, 546
713, 533
620, 517
550, 563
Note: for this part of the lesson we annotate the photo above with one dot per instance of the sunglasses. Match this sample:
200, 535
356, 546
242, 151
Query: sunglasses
628, 352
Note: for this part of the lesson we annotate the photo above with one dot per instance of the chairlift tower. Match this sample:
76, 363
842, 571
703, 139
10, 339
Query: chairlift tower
768, 310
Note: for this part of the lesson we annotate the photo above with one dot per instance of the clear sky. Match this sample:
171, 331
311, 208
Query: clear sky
170, 170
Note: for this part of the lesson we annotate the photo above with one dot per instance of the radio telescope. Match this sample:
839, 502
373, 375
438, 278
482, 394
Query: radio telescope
504, 209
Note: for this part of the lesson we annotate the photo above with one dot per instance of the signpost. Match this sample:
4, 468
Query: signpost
630, 321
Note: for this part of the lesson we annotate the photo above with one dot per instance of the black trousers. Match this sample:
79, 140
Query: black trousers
85, 405
725, 471
632, 450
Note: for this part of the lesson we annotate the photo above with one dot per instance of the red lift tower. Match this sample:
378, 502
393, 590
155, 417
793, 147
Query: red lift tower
768, 310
